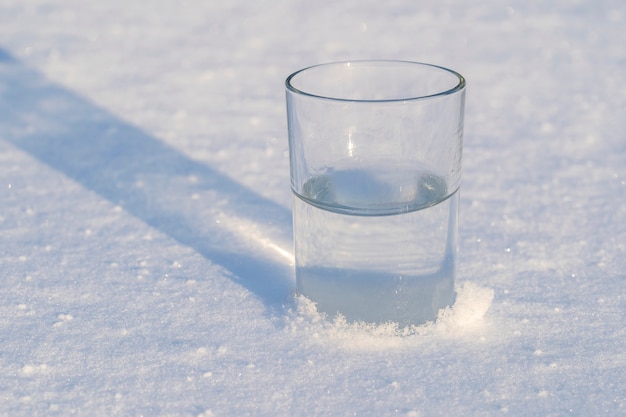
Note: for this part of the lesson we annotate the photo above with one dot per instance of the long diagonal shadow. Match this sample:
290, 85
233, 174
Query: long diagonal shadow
233, 226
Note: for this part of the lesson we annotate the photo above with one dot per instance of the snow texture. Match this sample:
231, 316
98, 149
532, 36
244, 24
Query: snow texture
145, 220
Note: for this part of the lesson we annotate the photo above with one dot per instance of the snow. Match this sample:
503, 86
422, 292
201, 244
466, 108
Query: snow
146, 262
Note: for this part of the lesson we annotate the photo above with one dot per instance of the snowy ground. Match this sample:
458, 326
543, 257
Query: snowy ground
145, 212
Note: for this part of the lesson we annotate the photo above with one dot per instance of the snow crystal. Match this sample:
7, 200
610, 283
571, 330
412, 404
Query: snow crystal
472, 303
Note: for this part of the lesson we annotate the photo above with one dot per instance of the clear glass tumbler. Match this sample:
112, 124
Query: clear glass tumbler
375, 156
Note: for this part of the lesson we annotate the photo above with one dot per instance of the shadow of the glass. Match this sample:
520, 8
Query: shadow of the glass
224, 221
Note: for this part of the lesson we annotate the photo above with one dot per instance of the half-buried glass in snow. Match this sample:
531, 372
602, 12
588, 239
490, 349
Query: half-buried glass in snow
375, 154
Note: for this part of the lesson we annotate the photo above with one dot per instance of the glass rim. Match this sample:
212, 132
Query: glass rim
457, 88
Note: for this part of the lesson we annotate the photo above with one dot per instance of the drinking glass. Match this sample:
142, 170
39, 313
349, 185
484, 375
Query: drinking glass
375, 162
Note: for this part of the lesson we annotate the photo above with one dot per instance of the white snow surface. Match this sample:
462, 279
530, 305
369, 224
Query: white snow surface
145, 220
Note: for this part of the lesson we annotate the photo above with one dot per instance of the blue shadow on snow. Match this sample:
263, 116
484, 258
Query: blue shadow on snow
109, 156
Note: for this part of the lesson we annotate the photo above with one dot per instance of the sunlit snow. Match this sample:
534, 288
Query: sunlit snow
145, 212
